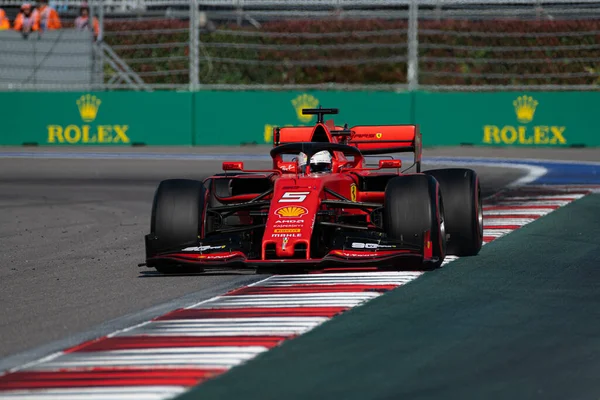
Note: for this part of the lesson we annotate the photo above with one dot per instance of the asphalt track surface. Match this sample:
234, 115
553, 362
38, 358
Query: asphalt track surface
72, 235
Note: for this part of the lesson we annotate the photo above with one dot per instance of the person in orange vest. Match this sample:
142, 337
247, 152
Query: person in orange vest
4, 21
27, 20
48, 17
83, 21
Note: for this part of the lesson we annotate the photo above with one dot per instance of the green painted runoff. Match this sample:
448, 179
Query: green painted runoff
519, 321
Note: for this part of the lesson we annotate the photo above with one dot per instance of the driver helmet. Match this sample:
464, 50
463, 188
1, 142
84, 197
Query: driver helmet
320, 162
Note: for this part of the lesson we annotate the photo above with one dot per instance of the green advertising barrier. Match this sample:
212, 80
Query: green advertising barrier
234, 118
100, 118
508, 118
237, 118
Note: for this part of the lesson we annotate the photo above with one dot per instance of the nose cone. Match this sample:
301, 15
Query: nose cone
291, 218
289, 227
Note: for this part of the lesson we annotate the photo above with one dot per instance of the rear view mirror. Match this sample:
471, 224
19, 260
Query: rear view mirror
233, 166
390, 163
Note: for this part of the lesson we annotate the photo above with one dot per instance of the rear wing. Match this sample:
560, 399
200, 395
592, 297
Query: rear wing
385, 139
369, 139
292, 134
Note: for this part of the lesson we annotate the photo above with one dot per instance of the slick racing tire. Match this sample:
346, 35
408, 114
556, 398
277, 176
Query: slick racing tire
464, 209
412, 206
176, 221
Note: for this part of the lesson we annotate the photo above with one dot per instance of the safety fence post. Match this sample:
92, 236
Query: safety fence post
413, 46
194, 44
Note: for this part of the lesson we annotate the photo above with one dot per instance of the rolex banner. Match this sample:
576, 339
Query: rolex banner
232, 118
547, 119
96, 118
238, 118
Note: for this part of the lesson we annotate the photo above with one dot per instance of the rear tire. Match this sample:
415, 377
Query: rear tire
464, 209
412, 206
176, 221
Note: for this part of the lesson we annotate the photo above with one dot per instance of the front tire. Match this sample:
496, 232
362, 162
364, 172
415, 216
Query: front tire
413, 206
464, 209
176, 221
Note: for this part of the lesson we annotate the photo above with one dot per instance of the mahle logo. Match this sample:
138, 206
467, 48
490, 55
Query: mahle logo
298, 103
525, 108
88, 106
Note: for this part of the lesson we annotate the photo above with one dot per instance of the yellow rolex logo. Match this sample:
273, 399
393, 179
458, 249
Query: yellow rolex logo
525, 108
87, 133
304, 101
538, 134
88, 107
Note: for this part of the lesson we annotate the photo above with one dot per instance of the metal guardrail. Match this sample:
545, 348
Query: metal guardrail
108, 4
121, 72
146, 4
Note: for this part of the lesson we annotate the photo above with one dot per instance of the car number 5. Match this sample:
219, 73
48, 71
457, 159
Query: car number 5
293, 197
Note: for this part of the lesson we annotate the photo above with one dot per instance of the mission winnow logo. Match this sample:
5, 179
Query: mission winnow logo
525, 108
88, 106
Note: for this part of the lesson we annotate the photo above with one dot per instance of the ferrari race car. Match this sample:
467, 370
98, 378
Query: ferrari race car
319, 208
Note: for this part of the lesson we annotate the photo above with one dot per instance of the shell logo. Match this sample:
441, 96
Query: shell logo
291, 211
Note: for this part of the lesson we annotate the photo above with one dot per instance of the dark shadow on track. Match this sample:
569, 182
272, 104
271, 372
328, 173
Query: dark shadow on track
156, 274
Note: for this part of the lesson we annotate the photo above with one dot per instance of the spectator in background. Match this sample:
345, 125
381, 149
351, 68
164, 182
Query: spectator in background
83, 21
61, 8
27, 20
4, 21
49, 19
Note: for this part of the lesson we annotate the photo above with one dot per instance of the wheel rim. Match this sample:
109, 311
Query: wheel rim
479, 214
442, 225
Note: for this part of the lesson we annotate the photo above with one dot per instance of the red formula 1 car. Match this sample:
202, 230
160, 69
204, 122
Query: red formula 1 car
319, 207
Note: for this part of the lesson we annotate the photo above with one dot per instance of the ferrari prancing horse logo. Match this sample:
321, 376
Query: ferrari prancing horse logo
353, 192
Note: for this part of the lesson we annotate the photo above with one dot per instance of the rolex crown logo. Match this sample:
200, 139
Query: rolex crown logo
88, 107
525, 108
304, 101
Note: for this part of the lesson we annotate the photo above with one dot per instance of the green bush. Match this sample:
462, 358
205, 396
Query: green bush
459, 57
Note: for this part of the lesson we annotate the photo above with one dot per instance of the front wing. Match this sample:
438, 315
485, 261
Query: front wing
395, 256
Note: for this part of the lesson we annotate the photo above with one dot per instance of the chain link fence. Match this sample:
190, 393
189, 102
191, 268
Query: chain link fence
552, 47
156, 49
345, 44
